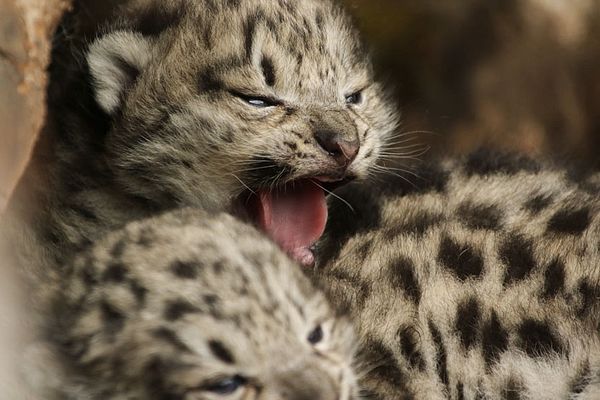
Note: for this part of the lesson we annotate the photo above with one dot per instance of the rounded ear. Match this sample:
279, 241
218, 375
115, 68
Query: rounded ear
115, 61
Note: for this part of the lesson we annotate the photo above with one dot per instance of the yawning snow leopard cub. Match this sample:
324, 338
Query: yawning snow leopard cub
188, 306
480, 280
248, 106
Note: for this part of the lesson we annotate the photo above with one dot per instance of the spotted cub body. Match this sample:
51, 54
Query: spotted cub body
479, 280
189, 306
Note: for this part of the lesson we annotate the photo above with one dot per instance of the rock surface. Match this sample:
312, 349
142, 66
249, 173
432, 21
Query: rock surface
25, 30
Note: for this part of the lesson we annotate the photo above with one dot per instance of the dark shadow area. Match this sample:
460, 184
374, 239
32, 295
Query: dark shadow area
512, 74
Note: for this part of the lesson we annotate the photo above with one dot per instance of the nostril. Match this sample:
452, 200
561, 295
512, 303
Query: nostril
328, 141
342, 151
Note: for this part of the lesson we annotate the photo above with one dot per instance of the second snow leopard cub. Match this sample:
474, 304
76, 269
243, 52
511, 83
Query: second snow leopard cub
246, 106
479, 281
189, 306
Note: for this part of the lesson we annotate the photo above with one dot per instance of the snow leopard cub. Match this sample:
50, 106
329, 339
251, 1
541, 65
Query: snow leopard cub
481, 280
192, 306
247, 106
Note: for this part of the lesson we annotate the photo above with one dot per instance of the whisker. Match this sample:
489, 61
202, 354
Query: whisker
395, 158
420, 131
398, 176
384, 168
412, 134
402, 138
252, 162
275, 180
336, 196
416, 153
402, 143
242, 182
404, 147
389, 158
252, 169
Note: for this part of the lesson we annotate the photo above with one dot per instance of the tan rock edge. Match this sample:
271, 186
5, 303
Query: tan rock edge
26, 27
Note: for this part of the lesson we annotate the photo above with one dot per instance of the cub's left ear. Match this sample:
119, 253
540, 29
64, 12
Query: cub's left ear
115, 61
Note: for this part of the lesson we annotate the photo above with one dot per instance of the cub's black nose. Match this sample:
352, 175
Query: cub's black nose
341, 150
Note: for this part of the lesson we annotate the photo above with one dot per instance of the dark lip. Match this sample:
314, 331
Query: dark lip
244, 203
330, 184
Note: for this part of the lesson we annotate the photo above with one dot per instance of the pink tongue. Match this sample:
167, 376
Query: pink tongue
294, 217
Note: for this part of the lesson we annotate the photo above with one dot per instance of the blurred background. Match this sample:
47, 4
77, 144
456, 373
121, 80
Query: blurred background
514, 74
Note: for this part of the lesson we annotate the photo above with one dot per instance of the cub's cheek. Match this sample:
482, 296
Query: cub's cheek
364, 163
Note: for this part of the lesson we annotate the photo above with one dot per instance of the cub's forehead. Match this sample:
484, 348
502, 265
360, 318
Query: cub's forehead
293, 42
289, 18
192, 250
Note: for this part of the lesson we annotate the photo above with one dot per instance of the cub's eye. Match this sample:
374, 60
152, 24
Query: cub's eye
354, 98
227, 386
257, 101
316, 335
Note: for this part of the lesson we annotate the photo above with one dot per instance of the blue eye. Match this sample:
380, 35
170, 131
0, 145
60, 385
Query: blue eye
354, 98
228, 385
257, 101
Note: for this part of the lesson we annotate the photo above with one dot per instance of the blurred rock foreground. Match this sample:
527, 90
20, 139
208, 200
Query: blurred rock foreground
25, 28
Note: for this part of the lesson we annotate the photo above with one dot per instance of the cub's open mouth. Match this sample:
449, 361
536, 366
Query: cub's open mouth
293, 215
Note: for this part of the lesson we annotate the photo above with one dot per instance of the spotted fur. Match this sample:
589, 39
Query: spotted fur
478, 280
192, 306
194, 103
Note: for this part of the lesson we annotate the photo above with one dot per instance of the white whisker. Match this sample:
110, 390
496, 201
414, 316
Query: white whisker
242, 182
336, 196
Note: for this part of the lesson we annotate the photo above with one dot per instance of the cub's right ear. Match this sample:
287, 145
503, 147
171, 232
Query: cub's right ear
115, 61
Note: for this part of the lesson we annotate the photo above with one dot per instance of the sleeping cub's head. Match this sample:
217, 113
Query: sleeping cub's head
192, 306
254, 106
